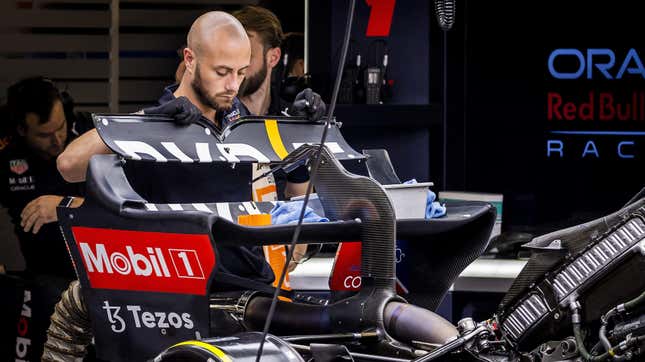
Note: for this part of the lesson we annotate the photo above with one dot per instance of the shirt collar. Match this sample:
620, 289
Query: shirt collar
224, 118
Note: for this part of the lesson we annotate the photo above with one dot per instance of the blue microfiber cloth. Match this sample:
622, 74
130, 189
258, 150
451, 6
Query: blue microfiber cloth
433, 208
289, 212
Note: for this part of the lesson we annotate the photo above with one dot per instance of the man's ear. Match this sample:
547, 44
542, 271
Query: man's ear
189, 60
273, 56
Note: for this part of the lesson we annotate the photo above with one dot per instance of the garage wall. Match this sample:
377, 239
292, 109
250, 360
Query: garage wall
68, 41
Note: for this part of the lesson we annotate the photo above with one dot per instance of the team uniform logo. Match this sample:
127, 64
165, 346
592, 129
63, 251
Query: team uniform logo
20, 181
19, 166
232, 116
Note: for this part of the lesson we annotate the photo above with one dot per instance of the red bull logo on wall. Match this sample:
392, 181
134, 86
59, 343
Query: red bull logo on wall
597, 109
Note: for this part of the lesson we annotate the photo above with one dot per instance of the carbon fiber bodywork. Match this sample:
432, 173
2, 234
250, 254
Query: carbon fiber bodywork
598, 264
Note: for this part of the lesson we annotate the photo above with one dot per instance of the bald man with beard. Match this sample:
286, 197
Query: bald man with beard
216, 59
217, 56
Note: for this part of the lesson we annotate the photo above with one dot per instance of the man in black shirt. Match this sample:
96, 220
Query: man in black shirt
261, 97
257, 94
32, 190
217, 57
33, 187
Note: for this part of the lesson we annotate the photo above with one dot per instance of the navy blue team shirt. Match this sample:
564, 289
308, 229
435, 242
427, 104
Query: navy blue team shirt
215, 182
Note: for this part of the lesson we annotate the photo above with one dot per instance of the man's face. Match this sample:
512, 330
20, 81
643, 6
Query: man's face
219, 70
258, 69
46, 139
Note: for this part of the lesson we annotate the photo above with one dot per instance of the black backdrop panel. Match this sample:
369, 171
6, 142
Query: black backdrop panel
407, 43
513, 142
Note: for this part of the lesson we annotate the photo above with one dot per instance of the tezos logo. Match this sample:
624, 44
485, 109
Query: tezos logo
135, 315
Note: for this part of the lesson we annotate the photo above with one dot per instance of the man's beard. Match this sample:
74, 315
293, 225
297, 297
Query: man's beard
204, 97
253, 82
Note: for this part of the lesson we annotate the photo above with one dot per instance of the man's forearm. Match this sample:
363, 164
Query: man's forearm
72, 163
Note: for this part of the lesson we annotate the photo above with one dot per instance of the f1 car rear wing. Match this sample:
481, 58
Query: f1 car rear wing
146, 269
249, 139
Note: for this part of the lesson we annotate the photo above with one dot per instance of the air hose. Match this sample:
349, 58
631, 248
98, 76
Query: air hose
69, 332
604, 341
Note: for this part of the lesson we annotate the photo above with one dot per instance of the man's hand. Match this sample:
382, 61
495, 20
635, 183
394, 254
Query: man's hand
298, 253
181, 109
308, 104
39, 211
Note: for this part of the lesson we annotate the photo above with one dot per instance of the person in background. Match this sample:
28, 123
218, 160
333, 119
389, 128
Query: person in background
265, 33
260, 97
257, 95
42, 124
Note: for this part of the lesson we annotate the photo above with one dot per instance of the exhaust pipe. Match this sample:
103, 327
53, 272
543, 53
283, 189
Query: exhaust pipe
404, 322
407, 323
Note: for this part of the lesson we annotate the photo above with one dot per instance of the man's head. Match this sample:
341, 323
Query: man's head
37, 111
266, 35
217, 57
